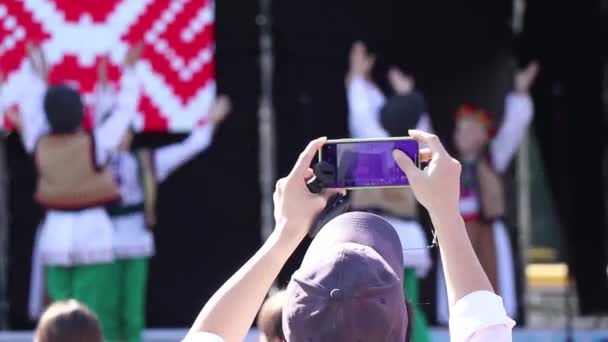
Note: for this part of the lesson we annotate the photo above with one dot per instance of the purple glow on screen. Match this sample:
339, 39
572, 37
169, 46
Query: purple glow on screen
370, 163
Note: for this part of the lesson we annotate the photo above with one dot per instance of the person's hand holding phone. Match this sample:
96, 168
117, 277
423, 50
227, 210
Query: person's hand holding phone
437, 187
295, 207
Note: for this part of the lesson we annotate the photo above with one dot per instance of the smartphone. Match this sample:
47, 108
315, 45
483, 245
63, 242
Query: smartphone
367, 163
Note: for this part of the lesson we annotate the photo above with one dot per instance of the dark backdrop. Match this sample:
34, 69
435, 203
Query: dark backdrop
457, 52
567, 40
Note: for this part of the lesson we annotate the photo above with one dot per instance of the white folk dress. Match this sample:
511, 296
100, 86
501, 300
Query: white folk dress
132, 238
69, 238
79, 237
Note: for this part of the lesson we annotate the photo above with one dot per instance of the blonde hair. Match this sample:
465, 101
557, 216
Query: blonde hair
68, 321
270, 317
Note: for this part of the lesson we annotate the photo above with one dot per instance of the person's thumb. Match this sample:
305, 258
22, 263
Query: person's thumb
407, 165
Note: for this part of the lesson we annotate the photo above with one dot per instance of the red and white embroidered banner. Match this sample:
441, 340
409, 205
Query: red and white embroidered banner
177, 66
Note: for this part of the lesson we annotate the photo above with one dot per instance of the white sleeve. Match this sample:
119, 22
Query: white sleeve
203, 337
2, 112
169, 158
517, 118
424, 123
480, 316
2, 105
364, 103
104, 102
109, 134
31, 106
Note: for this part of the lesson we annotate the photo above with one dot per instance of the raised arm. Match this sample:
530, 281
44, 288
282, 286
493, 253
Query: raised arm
104, 95
231, 310
364, 98
109, 134
476, 313
32, 117
403, 84
364, 103
517, 118
167, 159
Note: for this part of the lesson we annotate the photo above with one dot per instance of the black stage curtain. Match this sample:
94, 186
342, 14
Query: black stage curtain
571, 132
208, 210
457, 51
209, 220
24, 218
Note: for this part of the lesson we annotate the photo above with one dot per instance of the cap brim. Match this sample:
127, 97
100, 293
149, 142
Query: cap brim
360, 228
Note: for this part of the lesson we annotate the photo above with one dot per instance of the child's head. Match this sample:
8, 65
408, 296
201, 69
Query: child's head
401, 113
68, 321
472, 130
401, 83
270, 318
64, 109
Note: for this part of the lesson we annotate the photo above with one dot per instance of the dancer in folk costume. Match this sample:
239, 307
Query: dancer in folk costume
485, 153
136, 173
74, 184
371, 115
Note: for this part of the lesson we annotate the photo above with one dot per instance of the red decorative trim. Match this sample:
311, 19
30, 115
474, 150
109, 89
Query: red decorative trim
78, 206
471, 217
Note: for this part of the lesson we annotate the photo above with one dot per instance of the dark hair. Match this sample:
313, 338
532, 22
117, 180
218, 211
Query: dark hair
68, 321
402, 112
270, 318
64, 109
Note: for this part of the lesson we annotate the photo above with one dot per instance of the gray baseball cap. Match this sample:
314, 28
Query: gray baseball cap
349, 286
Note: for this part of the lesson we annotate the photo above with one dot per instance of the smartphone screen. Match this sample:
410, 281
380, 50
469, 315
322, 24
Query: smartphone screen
367, 163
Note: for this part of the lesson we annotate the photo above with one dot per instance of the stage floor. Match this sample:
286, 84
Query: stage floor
438, 335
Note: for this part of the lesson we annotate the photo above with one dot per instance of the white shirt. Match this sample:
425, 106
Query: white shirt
132, 239
477, 317
518, 115
480, 316
86, 236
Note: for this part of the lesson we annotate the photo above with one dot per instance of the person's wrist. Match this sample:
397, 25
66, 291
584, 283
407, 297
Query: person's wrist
444, 212
354, 74
290, 232
280, 245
